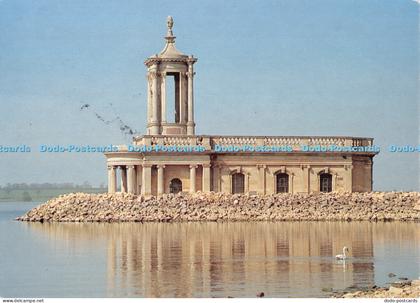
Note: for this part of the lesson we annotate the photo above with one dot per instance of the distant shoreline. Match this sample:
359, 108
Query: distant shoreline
120, 207
43, 194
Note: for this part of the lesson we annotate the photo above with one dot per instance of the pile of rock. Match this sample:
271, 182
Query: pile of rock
119, 207
399, 289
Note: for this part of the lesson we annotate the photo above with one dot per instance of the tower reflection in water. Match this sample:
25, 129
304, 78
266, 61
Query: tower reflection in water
232, 259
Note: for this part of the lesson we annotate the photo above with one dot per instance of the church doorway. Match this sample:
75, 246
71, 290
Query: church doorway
175, 186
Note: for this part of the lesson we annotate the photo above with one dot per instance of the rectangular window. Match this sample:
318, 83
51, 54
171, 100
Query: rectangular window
172, 97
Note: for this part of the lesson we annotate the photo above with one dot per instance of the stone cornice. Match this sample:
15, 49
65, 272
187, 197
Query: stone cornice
156, 60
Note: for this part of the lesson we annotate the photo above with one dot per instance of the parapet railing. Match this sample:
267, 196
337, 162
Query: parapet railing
211, 141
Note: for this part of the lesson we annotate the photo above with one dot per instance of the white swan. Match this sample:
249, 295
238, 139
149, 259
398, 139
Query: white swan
343, 256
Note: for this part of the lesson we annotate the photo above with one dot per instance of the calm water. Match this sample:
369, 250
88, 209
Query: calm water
198, 259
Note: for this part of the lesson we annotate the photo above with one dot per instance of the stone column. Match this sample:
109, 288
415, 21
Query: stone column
246, 183
291, 182
183, 97
192, 178
318, 178
206, 178
230, 184
190, 123
123, 179
155, 97
131, 175
306, 178
216, 178
146, 186
149, 99
138, 179
160, 180
273, 182
262, 181
154, 130
348, 179
112, 179
368, 168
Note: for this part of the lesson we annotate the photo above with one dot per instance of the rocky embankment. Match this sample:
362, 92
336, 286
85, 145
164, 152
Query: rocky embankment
119, 207
399, 289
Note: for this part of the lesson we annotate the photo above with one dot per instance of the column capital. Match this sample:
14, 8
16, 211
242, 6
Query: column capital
160, 166
154, 66
148, 165
207, 165
193, 166
191, 60
130, 166
111, 167
154, 74
190, 74
261, 166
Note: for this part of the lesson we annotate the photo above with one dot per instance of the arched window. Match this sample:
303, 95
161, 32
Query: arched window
282, 183
175, 186
325, 183
238, 183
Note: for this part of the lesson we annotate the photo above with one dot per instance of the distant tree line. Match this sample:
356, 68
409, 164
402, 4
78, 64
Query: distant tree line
13, 186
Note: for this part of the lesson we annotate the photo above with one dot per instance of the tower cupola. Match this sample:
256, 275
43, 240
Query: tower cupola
170, 70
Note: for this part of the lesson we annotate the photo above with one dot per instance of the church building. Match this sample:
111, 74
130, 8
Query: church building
172, 158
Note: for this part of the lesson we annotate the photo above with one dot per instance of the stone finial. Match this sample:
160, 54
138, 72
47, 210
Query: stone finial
170, 22
170, 35
169, 51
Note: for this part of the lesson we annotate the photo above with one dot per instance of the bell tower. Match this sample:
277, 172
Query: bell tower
170, 65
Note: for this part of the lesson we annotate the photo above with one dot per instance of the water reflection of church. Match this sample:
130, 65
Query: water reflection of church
236, 259
156, 173
228, 259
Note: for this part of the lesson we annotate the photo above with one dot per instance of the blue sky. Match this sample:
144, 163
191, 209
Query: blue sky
265, 68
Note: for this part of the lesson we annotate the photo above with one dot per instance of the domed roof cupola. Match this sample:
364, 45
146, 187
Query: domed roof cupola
170, 50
